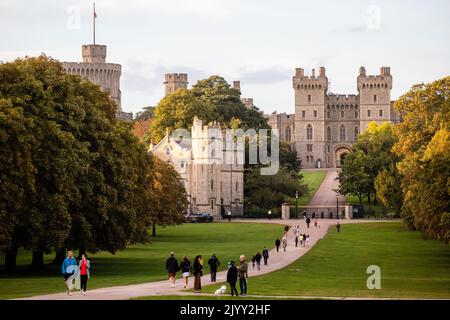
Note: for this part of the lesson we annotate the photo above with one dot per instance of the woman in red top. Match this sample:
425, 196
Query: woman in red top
84, 265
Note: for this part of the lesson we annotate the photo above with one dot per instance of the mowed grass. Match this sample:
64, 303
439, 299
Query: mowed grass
336, 267
313, 180
144, 263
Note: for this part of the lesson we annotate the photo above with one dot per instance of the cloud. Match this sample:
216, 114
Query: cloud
272, 74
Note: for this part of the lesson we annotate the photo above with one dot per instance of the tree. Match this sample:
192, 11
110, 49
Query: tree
388, 188
423, 144
171, 204
354, 178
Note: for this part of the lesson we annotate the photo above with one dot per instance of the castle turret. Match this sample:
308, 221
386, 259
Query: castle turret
175, 81
94, 53
375, 96
237, 85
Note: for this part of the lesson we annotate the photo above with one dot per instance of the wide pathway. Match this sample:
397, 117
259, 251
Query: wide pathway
325, 196
277, 260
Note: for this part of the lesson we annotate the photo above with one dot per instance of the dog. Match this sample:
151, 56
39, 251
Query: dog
221, 290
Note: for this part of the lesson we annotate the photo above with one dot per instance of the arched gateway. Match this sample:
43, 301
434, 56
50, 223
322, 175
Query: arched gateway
340, 152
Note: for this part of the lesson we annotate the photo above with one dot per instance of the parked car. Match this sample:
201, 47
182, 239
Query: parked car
199, 217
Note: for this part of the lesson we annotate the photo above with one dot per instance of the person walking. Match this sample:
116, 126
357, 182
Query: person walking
265, 254
304, 215
300, 238
185, 268
296, 241
253, 262
232, 276
213, 263
84, 266
315, 223
284, 244
277, 244
243, 275
258, 258
67, 273
198, 273
308, 221
304, 239
308, 240
338, 226
172, 268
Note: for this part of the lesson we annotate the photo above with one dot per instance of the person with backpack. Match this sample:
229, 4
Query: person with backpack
284, 244
172, 268
308, 221
232, 276
277, 244
265, 254
258, 258
185, 268
213, 263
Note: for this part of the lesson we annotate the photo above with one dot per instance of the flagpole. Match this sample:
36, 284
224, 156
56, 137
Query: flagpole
94, 22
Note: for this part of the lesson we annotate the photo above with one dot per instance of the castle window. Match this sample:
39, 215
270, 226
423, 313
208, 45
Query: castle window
356, 114
329, 134
356, 106
328, 114
303, 113
370, 86
328, 107
212, 184
213, 152
320, 86
378, 86
309, 147
342, 114
374, 98
299, 86
380, 113
364, 85
315, 113
237, 185
385, 85
356, 132
369, 113
328, 148
212, 204
342, 133
182, 164
309, 132
309, 98
288, 134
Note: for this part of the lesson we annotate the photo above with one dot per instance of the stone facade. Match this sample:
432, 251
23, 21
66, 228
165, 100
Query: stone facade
285, 123
212, 184
95, 68
326, 124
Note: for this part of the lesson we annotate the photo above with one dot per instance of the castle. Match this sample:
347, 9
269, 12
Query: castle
95, 69
325, 125
213, 184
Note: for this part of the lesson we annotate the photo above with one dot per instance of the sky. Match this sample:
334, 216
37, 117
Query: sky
259, 42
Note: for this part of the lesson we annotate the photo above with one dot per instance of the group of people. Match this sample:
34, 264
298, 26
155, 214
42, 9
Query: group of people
74, 272
234, 273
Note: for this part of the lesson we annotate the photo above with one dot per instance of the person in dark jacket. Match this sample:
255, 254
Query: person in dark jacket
172, 268
258, 258
308, 221
296, 241
232, 276
278, 244
338, 226
198, 273
185, 268
213, 263
265, 254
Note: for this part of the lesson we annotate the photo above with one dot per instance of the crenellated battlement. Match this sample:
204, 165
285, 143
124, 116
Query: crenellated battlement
302, 82
175, 81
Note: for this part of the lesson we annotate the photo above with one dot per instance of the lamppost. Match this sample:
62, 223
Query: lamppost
269, 213
296, 204
337, 206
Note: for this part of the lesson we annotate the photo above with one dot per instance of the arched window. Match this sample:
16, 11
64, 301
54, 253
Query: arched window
342, 133
237, 185
309, 132
356, 132
342, 114
288, 134
329, 134
356, 114
328, 114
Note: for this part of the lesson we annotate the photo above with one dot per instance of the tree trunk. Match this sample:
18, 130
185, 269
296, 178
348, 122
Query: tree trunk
59, 256
10, 260
38, 259
153, 230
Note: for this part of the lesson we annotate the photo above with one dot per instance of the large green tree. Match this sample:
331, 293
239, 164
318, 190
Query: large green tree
423, 144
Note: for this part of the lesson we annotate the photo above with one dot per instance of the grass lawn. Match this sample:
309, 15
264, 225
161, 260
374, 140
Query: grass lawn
144, 263
313, 179
410, 266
